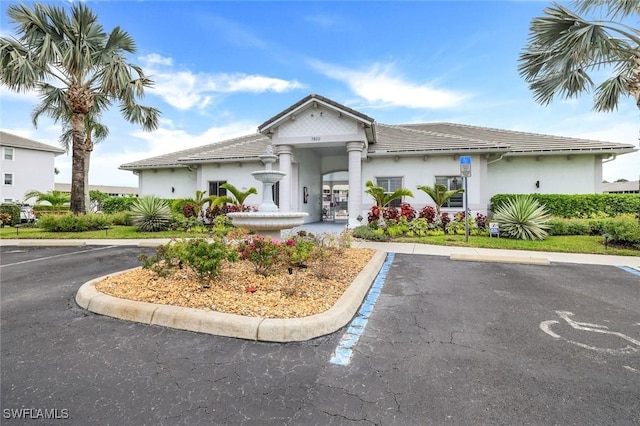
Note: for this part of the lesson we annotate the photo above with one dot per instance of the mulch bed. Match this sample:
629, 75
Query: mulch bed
240, 290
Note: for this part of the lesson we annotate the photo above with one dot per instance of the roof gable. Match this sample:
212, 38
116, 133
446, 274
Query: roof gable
315, 101
14, 141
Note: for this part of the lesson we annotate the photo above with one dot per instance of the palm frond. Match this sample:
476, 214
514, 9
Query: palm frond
563, 49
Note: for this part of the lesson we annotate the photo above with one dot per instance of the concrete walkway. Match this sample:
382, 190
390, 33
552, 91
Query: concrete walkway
455, 253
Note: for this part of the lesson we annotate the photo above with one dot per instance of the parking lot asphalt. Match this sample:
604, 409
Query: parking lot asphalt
447, 342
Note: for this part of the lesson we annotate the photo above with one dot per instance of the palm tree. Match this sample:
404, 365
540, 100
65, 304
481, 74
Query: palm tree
440, 195
563, 48
95, 132
88, 65
199, 201
383, 198
57, 199
237, 197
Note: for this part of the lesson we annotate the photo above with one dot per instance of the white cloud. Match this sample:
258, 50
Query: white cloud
185, 90
381, 85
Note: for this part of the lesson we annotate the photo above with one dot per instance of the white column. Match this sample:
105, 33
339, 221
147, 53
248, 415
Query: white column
355, 182
284, 159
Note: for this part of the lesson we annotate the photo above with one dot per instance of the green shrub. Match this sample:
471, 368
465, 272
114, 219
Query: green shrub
299, 248
558, 226
201, 256
523, 218
263, 252
97, 221
64, 223
5, 219
150, 214
117, 204
365, 232
13, 210
578, 227
120, 218
597, 226
624, 231
580, 205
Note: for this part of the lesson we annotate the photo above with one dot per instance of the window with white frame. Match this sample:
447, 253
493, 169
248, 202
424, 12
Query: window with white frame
451, 183
8, 179
7, 153
390, 185
7, 200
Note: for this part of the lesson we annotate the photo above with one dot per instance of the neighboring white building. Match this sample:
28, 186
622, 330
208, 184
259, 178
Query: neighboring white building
26, 165
317, 138
632, 187
111, 191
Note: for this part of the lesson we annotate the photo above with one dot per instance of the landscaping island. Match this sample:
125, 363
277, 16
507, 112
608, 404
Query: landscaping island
240, 290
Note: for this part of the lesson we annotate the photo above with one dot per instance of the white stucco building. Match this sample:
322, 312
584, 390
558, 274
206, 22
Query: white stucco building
321, 143
26, 165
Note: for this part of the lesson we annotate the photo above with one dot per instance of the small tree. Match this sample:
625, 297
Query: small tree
199, 202
440, 195
237, 197
57, 199
383, 198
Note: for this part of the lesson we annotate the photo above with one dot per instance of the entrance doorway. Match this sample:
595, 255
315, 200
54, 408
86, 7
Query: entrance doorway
335, 196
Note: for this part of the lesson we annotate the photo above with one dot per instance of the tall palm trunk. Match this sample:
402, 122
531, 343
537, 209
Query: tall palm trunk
88, 149
77, 164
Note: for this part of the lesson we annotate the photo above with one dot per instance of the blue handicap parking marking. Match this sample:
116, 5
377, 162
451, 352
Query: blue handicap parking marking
344, 350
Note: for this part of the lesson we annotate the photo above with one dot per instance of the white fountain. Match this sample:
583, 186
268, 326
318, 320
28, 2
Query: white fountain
268, 220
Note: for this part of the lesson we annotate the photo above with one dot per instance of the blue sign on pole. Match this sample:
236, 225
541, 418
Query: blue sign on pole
465, 165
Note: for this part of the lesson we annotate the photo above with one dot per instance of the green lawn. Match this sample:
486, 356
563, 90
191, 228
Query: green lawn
115, 232
561, 243
565, 244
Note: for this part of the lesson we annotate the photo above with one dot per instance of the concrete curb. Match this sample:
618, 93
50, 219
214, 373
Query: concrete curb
501, 259
52, 243
232, 325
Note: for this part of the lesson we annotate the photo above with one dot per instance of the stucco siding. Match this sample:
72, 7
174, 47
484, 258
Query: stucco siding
417, 171
31, 170
309, 176
555, 174
167, 183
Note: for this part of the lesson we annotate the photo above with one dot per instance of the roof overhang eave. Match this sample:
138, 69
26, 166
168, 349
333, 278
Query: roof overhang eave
153, 166
407, 153
187, 162
580, 151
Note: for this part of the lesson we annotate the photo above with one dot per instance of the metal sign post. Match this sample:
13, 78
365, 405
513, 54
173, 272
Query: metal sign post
465, 171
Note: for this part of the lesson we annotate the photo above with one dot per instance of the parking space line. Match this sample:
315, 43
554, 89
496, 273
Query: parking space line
344, 350
634, 271
57, 255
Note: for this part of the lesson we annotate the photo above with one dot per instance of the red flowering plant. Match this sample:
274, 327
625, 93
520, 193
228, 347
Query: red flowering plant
391, 214
189, 210
481, 221
407, 211
263, 252
429, 213
374, 214
298, 249
445, 219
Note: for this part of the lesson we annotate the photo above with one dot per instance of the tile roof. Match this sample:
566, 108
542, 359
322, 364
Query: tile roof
402, 139
522, 142
14, 141
245, 148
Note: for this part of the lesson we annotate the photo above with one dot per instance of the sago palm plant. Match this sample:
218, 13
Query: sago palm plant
522, 218
150, 214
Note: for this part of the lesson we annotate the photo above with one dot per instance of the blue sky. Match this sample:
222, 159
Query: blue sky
223, 68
